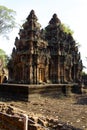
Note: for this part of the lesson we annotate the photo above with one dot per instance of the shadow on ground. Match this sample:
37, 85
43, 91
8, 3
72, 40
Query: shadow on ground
82, 100
5, 97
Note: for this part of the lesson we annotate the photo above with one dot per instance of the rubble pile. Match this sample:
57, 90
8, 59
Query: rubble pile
12, 118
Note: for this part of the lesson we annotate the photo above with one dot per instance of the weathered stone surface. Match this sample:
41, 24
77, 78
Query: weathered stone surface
3, 72
44, 56
14, 92
14, 119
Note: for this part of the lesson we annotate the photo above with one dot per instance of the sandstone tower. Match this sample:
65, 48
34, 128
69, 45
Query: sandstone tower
47, 55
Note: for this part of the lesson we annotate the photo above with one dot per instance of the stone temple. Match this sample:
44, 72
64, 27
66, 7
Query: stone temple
47, 55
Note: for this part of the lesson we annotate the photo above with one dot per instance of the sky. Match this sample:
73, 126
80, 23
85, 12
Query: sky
70, 12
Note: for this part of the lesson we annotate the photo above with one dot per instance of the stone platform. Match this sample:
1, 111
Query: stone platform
22, 91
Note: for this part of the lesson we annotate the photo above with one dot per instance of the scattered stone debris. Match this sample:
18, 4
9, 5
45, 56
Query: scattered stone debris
11, 118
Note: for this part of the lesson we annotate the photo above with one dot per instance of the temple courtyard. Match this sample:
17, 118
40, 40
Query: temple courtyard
70, 110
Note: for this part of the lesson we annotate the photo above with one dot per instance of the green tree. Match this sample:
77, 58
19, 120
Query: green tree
66, 29
7, 20
3, 58
7, 23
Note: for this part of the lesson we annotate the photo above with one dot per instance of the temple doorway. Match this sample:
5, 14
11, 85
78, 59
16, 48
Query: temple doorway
41, 74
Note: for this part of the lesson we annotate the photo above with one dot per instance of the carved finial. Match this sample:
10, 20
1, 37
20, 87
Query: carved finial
55, 20
16, 39
32, 12
32, 15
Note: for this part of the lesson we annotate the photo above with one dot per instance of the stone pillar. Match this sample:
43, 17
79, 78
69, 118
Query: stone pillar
68, 90
65, 75
22, 78
37, 74
70, 74
58, 69
46, 74
31, 74
31, 69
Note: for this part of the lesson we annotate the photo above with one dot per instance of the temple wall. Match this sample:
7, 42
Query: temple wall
21, 92
14, 92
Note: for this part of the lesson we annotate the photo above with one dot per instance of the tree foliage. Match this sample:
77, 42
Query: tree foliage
83, 73
66, 29
7, 20
3, 58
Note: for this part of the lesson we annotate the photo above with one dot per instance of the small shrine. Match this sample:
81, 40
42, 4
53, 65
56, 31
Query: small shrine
47, 55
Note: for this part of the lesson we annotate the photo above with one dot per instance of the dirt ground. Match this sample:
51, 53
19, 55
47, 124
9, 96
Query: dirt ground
71, 110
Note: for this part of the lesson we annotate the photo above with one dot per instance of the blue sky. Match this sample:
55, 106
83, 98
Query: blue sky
70, 12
